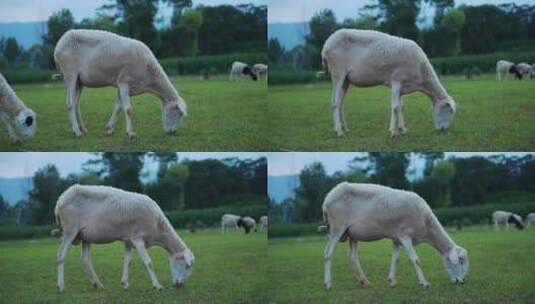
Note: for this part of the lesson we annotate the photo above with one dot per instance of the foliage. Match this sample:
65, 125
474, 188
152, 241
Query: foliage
220, 63
275, 51
212, 216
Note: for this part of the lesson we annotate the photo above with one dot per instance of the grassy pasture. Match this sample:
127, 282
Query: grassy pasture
501, 271
491, 116
227, 270
222, 116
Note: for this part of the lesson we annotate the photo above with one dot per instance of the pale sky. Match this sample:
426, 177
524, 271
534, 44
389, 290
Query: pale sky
291, 163
24, 164
303, 10
40, 10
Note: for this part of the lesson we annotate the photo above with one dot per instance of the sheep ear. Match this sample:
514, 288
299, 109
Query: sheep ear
454, 256
182, 107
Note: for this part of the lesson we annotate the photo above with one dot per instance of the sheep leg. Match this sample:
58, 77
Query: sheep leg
12, 134
355, 263
396, 108
71, 105
127, 261
401, 119
334, 237
88, 266
144, 255
77, 93
336, 104
66, 242
110, 126
409, 249
345, 87
495, 224
393, 265
124, 97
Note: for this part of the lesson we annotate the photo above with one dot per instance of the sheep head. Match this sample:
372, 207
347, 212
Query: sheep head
173, 112
25, 122
456, 263
443, 112
181, 264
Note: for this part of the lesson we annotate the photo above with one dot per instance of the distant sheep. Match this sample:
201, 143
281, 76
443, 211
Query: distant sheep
504, 67
530, 218
525, 69
263, 222
368, 212
247, 223
229, 221
260, 70
100, 215
92, 58
239, 69
14, 112
504, 218
369, 58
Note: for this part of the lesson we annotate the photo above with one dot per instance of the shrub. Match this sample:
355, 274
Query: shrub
287, 76
212, 216
216, 64
11, 232
15, 76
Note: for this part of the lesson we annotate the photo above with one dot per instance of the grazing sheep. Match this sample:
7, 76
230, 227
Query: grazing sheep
263, 222
240, 69
14, 112
504, 218
529, 219
247, 223
525, 69
507, 67
369, 58
92, 58
100, 215
260, 70
229, 220
368, 212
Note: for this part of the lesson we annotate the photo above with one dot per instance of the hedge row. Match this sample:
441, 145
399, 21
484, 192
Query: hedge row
451, 216
212, 217
12, 232
216, 64
26, 75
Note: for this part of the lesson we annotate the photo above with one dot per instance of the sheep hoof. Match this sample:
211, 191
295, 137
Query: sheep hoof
98, 285
61, 289
132, 136
364, 282
340, 133
125, 285
157, 287
78, 134
328, 286
425, 285
392, 282
402, 130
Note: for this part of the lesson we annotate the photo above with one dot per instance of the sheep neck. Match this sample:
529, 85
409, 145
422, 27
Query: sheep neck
172, 242
9, 103
438, 237
432, 86
162, 87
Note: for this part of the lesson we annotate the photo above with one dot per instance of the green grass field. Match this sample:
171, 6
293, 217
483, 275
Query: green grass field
222, 116
492, 116
228, 269
502, 270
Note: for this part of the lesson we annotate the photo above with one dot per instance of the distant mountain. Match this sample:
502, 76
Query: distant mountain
26, 33
289, 34
281, 187
15, 189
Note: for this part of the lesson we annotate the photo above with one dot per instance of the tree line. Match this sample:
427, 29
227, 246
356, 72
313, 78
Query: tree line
454, 30
200, 30
176, 185
443, 183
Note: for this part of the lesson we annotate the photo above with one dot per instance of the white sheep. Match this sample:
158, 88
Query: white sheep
93, 58
530, 218
368, 212
229, 220
100, 215
260, 69
239, 69
14, 112
247, 223
504, 67
263, 221
525, 69
369, 58
504, 218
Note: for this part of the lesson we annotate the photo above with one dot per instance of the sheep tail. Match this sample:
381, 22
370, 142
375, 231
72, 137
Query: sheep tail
57, 231
58, 76
325, 227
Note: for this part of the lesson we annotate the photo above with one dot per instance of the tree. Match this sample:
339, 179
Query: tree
314, 185
47, 187
11, 50
188, 26
58, 23
387, 168
4, 207
168, 190
120, 170
275, 51
321, 25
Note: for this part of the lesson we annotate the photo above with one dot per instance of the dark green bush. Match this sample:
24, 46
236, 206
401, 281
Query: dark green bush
212, 216
287, 76
15, 76
11, 232
485, 63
